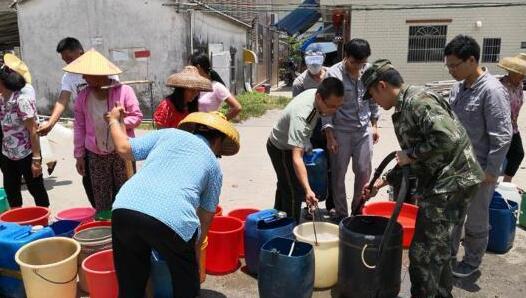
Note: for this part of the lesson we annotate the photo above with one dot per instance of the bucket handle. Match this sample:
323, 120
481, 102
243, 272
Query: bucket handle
514, 213
363, 259
35, 271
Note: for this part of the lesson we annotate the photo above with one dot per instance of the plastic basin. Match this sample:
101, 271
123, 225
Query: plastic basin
64, 228
82, 214
407, 217
27, 216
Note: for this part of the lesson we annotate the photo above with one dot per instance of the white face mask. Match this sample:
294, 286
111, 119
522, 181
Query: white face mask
314, 68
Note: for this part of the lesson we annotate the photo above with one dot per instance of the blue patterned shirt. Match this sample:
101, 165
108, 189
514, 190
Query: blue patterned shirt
180, 174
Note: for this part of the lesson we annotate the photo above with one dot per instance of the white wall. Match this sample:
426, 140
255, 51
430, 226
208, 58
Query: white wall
115, 24
388, 34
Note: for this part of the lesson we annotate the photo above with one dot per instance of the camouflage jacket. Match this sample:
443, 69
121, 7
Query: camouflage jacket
428, 130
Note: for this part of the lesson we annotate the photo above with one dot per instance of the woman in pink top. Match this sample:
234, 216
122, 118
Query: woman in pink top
211, 101
516, 67
91, 132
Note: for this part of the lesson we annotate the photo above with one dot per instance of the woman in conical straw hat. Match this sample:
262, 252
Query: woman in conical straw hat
516, 68
20, 145
169, 204
187, 84
92, 134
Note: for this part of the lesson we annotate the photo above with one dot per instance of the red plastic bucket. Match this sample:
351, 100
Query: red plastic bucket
82, 214
407, 217
100, 275
27, 216
224, 234
242, 215
92, 224
219, 211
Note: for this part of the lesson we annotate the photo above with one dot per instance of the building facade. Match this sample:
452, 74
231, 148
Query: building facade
413, 34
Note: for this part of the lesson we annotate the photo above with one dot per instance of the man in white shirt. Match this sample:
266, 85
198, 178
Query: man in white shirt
69, 49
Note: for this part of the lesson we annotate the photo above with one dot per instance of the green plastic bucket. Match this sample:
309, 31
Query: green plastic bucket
522, 215
104, 215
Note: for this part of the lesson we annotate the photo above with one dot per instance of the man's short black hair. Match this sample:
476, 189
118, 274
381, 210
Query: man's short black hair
12, 80
357, 48
463, 47
69, 44
330, 86
391, 76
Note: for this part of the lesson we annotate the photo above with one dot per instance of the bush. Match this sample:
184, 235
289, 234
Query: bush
256, 104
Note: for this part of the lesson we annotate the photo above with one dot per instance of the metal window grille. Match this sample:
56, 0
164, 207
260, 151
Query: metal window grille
427, 43
491, 50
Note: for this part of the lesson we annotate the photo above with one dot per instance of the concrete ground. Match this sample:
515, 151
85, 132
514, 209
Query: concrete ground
249, 181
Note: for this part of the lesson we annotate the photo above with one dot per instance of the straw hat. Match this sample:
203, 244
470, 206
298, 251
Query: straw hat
214, 120
189, 77
14, 63
514, 64
522, 56
94, 64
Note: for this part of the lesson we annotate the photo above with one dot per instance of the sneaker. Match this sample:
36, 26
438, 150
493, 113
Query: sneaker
463, 269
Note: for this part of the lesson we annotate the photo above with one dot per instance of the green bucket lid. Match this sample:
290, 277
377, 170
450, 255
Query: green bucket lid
103, 215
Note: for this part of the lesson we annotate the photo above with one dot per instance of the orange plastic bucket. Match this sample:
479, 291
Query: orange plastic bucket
242, 214
224, 234
92, 224
407, 217
100, 275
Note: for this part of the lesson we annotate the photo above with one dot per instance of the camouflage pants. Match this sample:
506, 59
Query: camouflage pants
430, 252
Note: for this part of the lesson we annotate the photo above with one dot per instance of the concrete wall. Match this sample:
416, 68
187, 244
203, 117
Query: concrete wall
388, 34
117, 28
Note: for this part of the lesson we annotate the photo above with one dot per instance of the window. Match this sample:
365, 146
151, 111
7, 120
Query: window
427, 43
523, 45
491, 50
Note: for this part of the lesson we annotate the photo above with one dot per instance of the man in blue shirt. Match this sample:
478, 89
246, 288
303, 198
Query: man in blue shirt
169, 204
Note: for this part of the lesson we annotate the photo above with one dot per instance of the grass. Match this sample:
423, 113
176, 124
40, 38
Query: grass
256, 104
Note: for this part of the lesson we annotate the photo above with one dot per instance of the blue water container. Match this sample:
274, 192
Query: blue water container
261, 227
10, 243
284, 273
64, 228
502, 221
6, 228
317, 171
160, 277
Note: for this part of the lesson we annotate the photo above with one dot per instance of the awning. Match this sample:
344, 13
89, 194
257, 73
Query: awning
249, 56
301, 18
324, 47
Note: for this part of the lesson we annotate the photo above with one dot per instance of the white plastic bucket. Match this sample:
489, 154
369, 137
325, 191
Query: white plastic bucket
326, 251
49, 267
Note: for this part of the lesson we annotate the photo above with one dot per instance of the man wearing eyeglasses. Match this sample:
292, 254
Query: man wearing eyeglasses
352, 131
481, 104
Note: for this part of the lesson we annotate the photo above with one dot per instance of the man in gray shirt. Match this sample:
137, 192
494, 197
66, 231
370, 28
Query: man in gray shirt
349, 133
312, 77
481, 104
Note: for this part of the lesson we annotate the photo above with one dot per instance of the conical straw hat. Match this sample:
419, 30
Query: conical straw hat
513, 64
190, 78
94, 64
14, 63
214, 120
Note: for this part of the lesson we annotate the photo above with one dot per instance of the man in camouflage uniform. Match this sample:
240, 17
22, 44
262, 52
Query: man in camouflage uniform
436, 147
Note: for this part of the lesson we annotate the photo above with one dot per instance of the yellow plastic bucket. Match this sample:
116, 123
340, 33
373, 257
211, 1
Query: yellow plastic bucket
49, 267
326, 252
202, 261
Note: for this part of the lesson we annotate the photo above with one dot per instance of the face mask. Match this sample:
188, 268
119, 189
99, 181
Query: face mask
314, 68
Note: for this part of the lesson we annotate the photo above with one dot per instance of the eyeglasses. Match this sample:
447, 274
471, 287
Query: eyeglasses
453, 66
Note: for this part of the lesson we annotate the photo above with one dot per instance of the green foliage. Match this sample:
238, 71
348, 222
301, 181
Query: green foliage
256, 104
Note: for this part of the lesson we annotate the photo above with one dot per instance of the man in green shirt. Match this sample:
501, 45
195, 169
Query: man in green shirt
436, 147
289, 139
